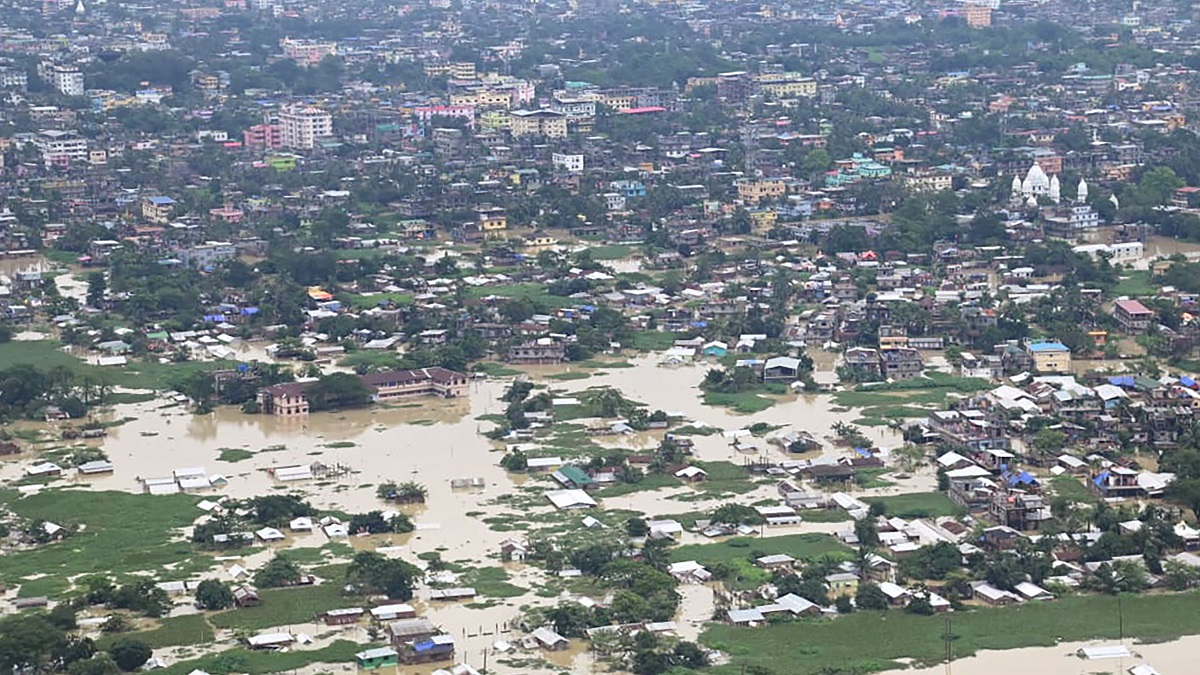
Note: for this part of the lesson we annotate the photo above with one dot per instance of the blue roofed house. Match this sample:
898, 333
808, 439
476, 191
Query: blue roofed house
157, 209
715, 349
1049, 356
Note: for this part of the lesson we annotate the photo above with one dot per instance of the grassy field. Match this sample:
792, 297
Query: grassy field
533, 292
45, 354
1071, 488
650, 482
610, 252
233, 455
495, 369
872, 641
568, 376
724, 477
369, 301
744, 402
187, 630
652, 340
801, 546
249, 662
285, 606
492, 582
917, 505
124, 533
1134, 283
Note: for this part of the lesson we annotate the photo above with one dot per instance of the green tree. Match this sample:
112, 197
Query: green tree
279, 571
130, 654
212, 594
870, 597
99, 664
372, 572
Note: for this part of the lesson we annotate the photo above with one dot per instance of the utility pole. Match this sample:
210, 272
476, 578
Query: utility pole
948, 637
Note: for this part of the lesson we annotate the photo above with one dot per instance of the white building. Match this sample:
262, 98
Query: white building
61, 147
568, 163
67, 80
1124, 252
304, 127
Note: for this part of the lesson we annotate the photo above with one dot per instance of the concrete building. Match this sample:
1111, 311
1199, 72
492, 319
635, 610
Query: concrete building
304, 127
547, 123
1049, 356
268, 136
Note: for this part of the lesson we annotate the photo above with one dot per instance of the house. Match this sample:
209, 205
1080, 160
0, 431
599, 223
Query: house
1032, 591
95, 467
1134, 317
842, 583
781, 369
393, 612
714, 349
541, 352
793, 604
745, 617
404, 632
342, 617
777, 561
692, 474
511, 551
244, 596
1049, 356
270, 640
689, 571
896, 595
570, 499
572, 477
991, 595
433, 648
549, 640
372, 659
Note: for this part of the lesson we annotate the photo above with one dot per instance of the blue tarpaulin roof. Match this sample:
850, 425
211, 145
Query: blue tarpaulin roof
1121, 380
1187, 382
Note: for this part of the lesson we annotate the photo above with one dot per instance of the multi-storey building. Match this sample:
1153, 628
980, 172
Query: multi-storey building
304, 127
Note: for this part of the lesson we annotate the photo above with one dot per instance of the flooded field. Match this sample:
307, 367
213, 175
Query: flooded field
434, 442
1170, 658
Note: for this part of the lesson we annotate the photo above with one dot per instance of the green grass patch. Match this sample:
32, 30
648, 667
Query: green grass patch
800, 546
233, 455
360, 301
492, 582
692, 430
370, 359
249, 662
652, 340
871, 641
284, 606
603, 365
175, 631
744, 402
610, 252
535, 293
872, 478
46, 354
649, 482
493, 369
1072, 488
568, 376
918, 505
825, 516
124, 533
724, 477
340, 444
1135, 283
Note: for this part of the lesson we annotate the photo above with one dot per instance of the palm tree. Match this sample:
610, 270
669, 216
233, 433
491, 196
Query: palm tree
411, 492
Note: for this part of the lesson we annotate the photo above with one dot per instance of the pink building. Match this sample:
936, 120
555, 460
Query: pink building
269, 136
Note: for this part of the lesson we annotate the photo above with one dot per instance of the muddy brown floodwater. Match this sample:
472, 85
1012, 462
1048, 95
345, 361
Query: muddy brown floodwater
1168, 658
434, 441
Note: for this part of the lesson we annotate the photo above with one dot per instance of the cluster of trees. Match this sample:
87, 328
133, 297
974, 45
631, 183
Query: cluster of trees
336, 391
25, 390
372, 573
43, 642
143, 597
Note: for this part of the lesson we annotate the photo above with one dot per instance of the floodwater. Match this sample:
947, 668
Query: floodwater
1170, 658
433, 441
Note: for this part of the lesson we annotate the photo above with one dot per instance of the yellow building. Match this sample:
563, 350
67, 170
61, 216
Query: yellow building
492, 220
546, 123
1050, 356
842, 584
786, 85
757, 190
